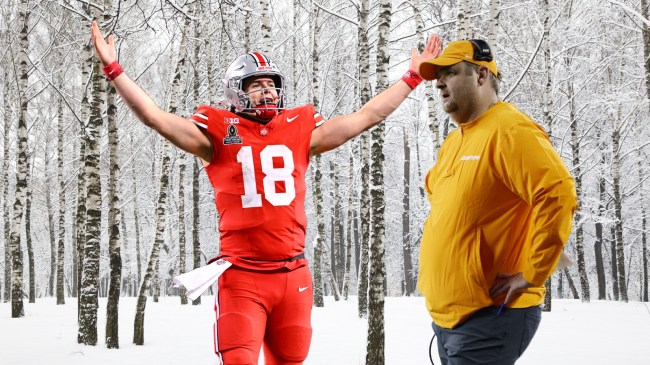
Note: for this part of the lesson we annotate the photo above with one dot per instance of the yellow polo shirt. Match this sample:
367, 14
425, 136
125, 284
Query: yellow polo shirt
502, 201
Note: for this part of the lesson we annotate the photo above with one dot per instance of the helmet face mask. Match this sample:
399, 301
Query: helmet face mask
245, 67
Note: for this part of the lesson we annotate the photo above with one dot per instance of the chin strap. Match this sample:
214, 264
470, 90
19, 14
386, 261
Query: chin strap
264, 111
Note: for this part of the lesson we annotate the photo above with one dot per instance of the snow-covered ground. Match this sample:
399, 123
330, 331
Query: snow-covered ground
573, 333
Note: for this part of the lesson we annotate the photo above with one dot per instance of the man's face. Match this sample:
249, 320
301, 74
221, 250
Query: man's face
261, 90
458, 90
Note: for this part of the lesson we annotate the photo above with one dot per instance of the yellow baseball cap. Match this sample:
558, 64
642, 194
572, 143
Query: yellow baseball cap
460, 51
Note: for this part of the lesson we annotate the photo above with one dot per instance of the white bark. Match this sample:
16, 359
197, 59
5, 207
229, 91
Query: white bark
363, 57
376, 338
5, 186
17, 309
161, 221
114, 217
462, 20
267, 43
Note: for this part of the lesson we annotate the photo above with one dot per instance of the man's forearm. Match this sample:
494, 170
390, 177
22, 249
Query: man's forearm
382, 105
136, 99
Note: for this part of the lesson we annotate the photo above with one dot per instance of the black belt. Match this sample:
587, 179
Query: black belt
298, 257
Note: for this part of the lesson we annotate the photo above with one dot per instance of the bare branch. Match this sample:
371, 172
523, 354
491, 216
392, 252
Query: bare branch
180, 10
525, 70
632, 11
354, 22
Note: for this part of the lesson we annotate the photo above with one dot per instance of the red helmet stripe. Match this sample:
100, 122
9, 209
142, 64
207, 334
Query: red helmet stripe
261, 60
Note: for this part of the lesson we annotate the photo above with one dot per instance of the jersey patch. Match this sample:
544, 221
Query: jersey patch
232, 137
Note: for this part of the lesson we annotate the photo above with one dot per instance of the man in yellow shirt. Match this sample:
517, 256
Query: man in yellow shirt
502, 203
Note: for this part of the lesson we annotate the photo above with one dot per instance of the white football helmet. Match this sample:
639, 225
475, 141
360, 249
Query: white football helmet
251, 65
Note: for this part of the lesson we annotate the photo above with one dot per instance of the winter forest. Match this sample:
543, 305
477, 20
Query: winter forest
95, 204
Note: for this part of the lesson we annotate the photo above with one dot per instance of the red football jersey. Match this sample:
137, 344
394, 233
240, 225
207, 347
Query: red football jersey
258, 175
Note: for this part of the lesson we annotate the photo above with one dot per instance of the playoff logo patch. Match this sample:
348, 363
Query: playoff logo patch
232, 137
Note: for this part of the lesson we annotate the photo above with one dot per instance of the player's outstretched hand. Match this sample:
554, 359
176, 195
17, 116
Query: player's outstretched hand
105, 51
432, 50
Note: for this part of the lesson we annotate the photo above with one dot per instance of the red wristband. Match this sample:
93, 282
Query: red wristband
412, 79
112, 70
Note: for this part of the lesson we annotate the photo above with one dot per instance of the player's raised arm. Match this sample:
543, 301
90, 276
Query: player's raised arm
179, 131
339, 130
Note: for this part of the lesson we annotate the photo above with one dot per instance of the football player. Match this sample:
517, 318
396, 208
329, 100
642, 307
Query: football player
256, 154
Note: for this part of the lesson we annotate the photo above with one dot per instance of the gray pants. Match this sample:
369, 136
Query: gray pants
485, 338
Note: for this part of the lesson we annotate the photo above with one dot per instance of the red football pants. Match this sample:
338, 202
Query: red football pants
263, 307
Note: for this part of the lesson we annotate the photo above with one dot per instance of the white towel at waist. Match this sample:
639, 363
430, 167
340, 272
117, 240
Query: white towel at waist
198, 280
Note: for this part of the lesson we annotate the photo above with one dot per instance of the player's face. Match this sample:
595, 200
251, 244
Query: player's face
262, 91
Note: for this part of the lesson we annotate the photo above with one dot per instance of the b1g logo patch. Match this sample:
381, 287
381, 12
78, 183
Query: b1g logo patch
231, 120
232, 137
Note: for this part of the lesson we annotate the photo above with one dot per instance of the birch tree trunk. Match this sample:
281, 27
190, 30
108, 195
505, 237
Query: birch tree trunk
337, 243
155, 279
318, 176
318, 242
338, 229
51, 226
572, 286
330, 277
645, 30
225, 49
363, 56
161, 208
114, 217
494, 23
600, 242
136, 222
60, 257
644, 220
82, 188
127, 274
613, 261
88, 300
213, 82
430, 91
17, 309
577, 175
28, 234
212, 75
350, 223
618, 208
462, 20
5, 185
644, 257
318, 282
267, 43
74, 289
181, 225
80, 221
548, 70
294, 49
180, 74
409, 280
375, 349
247, 28
196, 242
